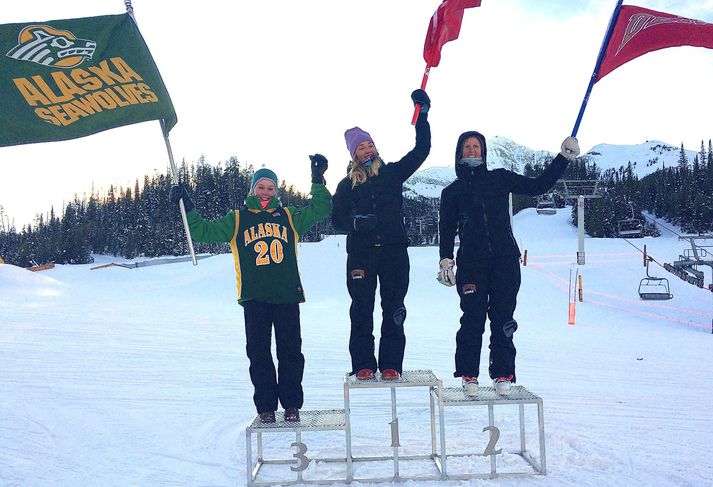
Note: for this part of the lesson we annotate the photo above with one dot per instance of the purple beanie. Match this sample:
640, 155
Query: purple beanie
354, 137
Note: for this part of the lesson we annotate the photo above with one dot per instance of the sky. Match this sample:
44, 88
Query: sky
138, 377
272, 82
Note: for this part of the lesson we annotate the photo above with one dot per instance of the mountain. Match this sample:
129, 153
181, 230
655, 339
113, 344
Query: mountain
646, 158
429, 182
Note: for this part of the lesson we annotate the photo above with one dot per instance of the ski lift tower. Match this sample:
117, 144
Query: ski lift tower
697, 255
579, 190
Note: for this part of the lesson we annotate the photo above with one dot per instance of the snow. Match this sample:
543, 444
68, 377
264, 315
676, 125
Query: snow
123, 377
646, 157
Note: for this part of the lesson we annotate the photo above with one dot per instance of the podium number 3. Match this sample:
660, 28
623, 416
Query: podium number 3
300, 455
494, 436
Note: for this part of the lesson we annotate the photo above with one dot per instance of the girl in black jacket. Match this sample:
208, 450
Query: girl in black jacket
476, 207
367, 206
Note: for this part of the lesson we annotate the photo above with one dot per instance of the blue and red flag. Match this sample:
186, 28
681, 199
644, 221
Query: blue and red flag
639, 30
634, 31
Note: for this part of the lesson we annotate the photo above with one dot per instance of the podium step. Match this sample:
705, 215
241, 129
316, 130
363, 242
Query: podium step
292, 453
310, 420
519, 396
453, 396
409, 378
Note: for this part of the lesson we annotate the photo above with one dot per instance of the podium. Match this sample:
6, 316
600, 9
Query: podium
408, 379
519, 396
487, 446
293, 469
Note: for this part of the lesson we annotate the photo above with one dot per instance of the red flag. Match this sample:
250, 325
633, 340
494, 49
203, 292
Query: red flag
443, 27
639, 30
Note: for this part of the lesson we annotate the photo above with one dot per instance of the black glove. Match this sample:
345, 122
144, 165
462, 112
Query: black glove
319, 166
365, 223
179, 192
420, 97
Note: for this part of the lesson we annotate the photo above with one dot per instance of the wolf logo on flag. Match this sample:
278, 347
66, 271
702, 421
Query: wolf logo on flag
639, 22
48, 46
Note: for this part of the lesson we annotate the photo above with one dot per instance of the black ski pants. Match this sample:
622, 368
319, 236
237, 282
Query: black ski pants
286, 385
486, 287
389, 264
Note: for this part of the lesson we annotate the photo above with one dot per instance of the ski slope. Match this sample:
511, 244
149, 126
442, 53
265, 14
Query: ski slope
118, 377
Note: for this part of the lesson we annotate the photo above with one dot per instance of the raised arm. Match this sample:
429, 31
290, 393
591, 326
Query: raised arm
410, 163
206, 231
542, 183
211, 231
321, 202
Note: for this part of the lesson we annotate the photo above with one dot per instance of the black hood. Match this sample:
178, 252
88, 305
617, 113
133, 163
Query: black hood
461, 169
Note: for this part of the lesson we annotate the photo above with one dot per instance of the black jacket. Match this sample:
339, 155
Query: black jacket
380, 195
476, 206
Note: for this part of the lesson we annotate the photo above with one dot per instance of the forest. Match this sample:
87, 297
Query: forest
141, 222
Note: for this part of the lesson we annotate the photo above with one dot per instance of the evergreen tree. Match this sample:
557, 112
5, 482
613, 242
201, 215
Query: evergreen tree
682, 158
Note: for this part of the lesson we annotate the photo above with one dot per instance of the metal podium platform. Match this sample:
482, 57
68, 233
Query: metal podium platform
456, 396
317, 420
332, 461
409, 378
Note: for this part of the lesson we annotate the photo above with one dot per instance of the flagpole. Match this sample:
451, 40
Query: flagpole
597, 65
174, 172
417, 108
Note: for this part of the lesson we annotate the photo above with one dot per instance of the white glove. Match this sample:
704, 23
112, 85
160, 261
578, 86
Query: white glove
445, 274
570, 148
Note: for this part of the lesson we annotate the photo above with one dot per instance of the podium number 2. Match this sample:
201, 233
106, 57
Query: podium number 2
300, 455
494, 436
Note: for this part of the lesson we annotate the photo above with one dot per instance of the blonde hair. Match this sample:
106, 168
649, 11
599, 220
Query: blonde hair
359, 174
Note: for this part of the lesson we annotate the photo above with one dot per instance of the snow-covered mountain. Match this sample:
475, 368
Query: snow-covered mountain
506, 153
645, 158
430, 182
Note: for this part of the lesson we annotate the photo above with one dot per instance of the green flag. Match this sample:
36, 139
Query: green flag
64, 79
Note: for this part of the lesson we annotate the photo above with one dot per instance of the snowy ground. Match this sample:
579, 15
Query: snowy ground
119, 377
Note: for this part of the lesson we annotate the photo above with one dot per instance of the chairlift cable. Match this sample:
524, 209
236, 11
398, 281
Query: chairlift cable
659, 224
651, 259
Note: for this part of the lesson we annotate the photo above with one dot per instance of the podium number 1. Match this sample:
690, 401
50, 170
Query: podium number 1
395, 433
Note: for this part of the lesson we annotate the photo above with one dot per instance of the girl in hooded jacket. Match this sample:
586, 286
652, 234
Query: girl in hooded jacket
476, 208
367, 206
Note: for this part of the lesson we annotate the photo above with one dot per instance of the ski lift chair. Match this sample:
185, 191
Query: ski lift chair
630, 227
546, 206
654, 288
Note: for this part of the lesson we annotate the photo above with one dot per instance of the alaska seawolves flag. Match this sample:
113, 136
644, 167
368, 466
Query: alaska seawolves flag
64, 79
